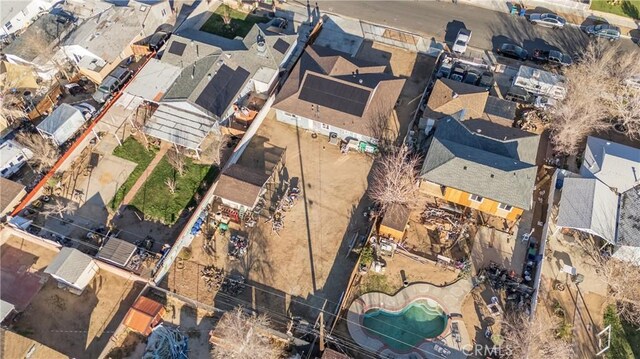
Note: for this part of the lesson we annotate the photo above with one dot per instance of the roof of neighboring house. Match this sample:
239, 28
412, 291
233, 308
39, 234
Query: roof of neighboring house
44, 31
499, 111
448, 97
9, 192
616, 165
214, 69
117, 251
5, 309
588, 204
107, 33
154, 80
331, 87
396, 217
179, 126
332, 354
62, 123
241, 184
629, 218
69, 264
142, 314
11, 8
477, 164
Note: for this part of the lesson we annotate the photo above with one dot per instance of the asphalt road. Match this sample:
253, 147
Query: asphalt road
442, 20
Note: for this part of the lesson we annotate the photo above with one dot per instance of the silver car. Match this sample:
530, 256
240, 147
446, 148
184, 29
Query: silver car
548, 20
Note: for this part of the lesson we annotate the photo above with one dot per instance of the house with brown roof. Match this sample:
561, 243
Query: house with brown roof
329, 92
394, 222
449, 97
239, 187
11, 193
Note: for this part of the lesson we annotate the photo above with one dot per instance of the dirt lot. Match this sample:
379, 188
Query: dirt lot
78, 326
23, 264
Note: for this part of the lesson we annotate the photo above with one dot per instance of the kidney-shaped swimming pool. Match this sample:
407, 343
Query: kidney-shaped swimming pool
401, 330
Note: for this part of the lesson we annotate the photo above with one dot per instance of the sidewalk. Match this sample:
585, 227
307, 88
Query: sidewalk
164, 147
574, 11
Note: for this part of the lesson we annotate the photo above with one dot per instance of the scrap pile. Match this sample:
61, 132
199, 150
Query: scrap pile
516, 292
233, 284
237, 246
213, 277
284, 204
450, 226
166, 343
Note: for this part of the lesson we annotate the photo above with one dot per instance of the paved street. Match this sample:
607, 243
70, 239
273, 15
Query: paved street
442, 20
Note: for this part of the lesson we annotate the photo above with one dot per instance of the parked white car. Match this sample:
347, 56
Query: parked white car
548, 20
462, 40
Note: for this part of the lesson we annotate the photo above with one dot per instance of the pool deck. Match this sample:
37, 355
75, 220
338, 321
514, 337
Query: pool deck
449, 297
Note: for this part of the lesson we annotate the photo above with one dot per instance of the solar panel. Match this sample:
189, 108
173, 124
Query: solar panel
177, 48
335, 95
222, 89
281, 46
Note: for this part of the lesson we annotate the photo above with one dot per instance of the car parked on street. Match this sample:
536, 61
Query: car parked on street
603, 31
462, 41
513, 51
548, 20
552, 57
112, 83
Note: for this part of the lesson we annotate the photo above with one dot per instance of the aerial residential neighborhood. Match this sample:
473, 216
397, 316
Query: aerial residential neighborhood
332, 180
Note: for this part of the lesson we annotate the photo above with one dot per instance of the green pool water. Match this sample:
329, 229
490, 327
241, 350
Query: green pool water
402, 330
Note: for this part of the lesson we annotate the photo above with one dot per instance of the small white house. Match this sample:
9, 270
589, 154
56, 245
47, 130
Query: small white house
72, 269
16, 15
540, 82
12, 157
61, 124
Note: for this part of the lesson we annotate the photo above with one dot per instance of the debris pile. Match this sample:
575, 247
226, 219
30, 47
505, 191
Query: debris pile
213, 277
166, 343
517, 294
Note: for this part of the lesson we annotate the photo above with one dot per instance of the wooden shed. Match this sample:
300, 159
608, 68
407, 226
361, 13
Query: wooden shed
394, 222
144, 315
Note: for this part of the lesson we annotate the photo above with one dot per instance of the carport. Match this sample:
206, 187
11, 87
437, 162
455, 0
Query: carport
117, 251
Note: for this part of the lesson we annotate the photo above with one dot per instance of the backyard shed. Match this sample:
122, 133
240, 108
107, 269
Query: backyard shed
144, 315
239, 187
11, 193
117, 251
394, 222
61, 124
72, 269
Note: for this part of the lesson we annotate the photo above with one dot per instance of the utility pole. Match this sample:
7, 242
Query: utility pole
322, 331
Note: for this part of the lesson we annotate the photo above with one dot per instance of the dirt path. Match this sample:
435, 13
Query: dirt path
164, 147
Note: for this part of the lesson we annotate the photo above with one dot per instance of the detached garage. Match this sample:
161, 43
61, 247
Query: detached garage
72, 269
61, 124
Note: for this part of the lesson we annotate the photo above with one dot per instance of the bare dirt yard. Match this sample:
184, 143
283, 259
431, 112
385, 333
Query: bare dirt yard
78, 326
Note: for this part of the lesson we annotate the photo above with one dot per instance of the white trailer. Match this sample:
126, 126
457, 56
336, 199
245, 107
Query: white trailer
541, 83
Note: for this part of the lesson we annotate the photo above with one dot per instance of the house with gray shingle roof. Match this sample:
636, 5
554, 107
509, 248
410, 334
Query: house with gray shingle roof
604, 200
215, 74
492, 170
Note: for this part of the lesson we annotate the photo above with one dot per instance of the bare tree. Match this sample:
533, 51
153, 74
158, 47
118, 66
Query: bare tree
226, 15
597, 97
529, 339
45, 153
171, 185
214, 151
59, 208
177, 161
622, 278
394, 178
242, 336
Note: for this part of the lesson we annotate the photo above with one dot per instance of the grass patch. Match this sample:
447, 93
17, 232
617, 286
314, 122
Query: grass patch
133, 151
375, 283
625, 340
240, 25
156, 201
626, 8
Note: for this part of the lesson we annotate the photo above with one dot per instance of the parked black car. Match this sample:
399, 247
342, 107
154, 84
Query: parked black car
551, 57
513, 51
158, 39
472, 77
486, 80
